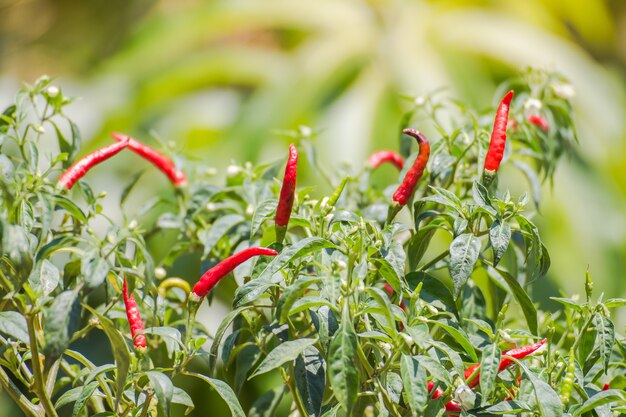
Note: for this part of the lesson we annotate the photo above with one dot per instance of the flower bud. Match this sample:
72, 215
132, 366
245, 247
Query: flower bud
160, 273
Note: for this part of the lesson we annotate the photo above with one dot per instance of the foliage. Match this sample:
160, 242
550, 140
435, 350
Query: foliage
354, 315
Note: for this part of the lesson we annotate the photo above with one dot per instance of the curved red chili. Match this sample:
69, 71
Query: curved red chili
606, 387
407, 187
539, 121
222, 269
80, 168
287, 193
517, 353
498, 138
134, 318
380, 157
162, 162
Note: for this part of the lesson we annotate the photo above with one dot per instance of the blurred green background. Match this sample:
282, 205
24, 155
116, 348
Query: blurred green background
217, 78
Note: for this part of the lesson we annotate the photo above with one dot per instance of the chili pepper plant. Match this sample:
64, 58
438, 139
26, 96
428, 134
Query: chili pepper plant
346, 298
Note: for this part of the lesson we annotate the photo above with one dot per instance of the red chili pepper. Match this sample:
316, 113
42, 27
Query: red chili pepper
539, 121
517, 353
407, 187
390, 292
162, 162
80, 168
134, 319
222, 269
380, 157
512, 390
450, 406
498, 138
287, 192
606, 387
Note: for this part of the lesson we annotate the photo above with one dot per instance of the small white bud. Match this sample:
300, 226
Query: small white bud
232, 170
249, 210
160, 273
506, 337
565, 91
111, 238
532, 105
419, 101
132, 224
248, 166
52, 91
39, 129
361, 286
211, 206
324, 203
407, 339
102, 194
340, 264
433, 310
386, 347
305, 131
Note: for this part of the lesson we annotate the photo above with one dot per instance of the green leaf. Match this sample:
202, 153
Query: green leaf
261, 212
605, 338
14, 325
246, 358
343, 374
388, 273
219, 334
292, 294
181, 397
464, 251
488, 371
69, 206
310, 376
481, 197
547, 400
599, 399
253, 289
94, 270
414, 381
528, 308
224, 391
85, 394
457, 334
283, 353
209, 238
499, 238
120, 352
163, 390
266, 404
62, 320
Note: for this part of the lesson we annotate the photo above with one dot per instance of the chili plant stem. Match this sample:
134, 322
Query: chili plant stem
39, 378
20, 399
435, 260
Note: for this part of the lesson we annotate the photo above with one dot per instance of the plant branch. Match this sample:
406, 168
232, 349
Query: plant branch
20, 399
39, 378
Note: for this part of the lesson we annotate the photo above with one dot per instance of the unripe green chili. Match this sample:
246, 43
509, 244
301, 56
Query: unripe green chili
287, 194
82, 166
568, 379
472, 374
498, 139
134, 319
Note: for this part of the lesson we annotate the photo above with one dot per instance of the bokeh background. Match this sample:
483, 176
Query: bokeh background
216, 79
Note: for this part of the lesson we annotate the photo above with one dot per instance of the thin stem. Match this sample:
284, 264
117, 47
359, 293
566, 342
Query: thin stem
39, 378
20, 399
146, 404
435, 260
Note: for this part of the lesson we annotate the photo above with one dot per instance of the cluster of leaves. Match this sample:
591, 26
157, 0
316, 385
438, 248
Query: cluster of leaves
353, 317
